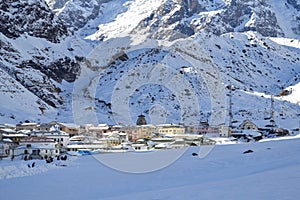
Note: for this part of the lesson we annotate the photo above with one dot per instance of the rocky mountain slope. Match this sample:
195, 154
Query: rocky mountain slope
105, 61
36, 53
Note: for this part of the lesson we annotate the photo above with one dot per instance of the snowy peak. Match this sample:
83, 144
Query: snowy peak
170, 19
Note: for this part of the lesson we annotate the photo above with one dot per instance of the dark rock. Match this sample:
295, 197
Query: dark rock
248, 151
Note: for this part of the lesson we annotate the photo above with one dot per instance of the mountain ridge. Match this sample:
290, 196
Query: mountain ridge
233, 35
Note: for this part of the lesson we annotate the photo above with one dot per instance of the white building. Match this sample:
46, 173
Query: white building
36, 146
60, 137
97, 131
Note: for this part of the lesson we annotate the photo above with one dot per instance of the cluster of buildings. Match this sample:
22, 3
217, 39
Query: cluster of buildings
54, 138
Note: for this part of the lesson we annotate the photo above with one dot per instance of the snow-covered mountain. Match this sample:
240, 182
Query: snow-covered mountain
105, 61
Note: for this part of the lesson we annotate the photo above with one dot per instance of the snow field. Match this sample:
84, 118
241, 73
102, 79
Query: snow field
271, 171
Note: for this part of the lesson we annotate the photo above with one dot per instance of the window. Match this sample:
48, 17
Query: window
35, 152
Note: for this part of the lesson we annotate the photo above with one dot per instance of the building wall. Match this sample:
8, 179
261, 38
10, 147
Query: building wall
4, 150
138, 132
171, 130
30, 151
71, 131
26, 126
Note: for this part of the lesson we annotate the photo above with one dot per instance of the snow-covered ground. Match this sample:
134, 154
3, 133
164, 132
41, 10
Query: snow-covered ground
271, 171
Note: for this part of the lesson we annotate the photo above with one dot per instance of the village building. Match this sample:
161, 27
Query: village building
36, 147
209, 131
170, 129
97, 131
5, 146
12, 135
8, 126
26, 126
7, 131
247, 125
47, 127
115, 138
224, 131
60, 137
71, 129
205, 129
212, 131
138, 132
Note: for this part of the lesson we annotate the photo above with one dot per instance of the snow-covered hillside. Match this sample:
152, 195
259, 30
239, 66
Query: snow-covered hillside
270, 172
110, 61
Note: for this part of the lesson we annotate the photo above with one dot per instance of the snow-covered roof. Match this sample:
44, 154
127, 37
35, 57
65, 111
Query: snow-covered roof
78, 137
9, 125
169, 125
14, 135
29, 124
49, 133
70, 125
7, 130
103, 125
7, 140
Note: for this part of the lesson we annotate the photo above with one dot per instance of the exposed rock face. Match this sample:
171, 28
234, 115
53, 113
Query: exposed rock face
171, 20
296, 19
294, 3
184, 18
31, 17
250, 15
76, 13
56, 4
187, 17
39, 77
36, 68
